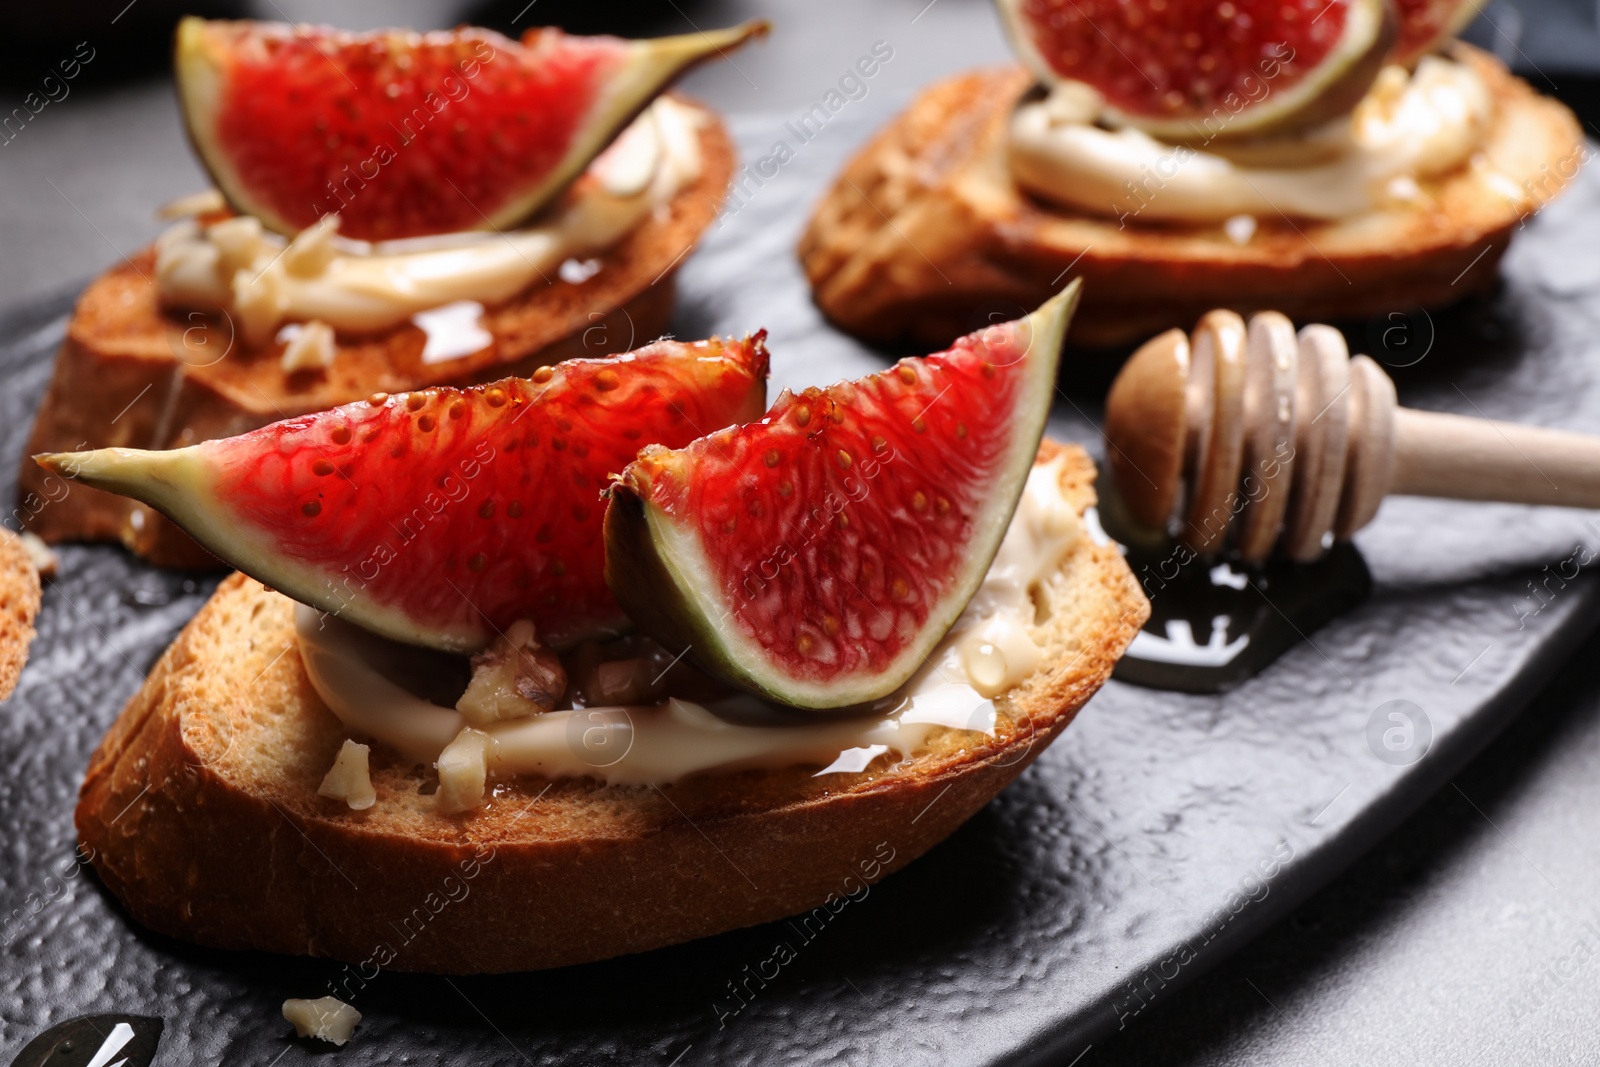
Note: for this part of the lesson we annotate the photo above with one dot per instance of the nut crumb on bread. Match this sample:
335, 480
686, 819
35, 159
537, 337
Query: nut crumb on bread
349, 779
513, 678
463, 769
925, 232
195, 736
311, 347
208, 201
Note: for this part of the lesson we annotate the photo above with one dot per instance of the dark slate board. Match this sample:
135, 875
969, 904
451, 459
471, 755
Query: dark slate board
1157, 835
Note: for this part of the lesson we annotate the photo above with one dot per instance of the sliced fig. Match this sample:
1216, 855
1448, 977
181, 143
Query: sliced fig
440, 517
1425, 25
817, 556
1194, 72
405, 133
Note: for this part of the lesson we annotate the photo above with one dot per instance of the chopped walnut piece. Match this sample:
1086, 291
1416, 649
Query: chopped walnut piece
310, 346
626, 681
634, 670
463, 772
513, 678
349, 779
326, 1018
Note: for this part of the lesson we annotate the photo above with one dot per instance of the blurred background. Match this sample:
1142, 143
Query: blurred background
83, 178
1368, 969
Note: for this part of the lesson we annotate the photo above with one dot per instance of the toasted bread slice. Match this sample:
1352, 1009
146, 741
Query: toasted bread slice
131, 374
925, 232
19, 606
202, 812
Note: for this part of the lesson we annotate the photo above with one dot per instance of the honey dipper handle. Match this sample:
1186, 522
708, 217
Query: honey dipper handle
1469, 458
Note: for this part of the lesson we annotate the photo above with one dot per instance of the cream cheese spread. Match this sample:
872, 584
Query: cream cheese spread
261, 281
1410, 127
991, 649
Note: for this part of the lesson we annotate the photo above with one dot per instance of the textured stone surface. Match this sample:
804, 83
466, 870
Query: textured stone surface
1025, 936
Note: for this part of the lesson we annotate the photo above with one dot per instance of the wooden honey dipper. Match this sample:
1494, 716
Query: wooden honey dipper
1285, 438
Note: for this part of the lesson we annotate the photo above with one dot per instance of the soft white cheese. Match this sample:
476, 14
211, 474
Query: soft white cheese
235, 268
991, 649
1409, 126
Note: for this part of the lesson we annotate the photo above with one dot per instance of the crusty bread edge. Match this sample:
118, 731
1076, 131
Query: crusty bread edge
20, 594
193, 854
924, 233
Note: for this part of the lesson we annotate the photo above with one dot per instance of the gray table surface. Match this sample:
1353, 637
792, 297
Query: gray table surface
1469, 936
